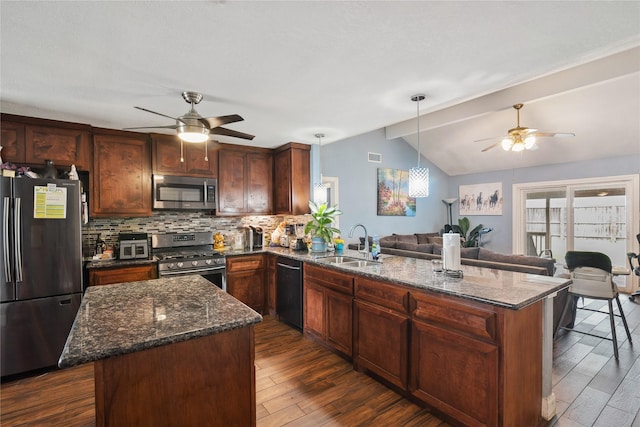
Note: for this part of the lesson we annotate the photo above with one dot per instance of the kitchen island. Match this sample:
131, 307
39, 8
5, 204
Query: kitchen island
478, 349
169, 351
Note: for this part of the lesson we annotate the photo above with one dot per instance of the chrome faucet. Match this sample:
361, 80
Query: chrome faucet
365, 252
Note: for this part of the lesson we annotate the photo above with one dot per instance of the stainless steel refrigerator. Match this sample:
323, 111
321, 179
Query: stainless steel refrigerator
41, 274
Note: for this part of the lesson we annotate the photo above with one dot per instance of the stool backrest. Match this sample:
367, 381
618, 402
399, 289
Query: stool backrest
599, 260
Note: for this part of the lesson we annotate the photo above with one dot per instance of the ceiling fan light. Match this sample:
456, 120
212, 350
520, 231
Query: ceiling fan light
507, 143
529, 142
518, 146
190, 133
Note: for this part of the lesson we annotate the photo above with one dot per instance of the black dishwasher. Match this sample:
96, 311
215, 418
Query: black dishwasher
289, 291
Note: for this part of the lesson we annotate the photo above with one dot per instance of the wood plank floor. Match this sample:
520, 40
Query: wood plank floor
299, 383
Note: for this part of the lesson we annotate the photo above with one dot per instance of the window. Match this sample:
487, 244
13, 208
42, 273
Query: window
601, 215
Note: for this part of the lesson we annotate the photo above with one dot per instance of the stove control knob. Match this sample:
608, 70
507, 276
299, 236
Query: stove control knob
180, 265
209, 261
194, 263
170, 266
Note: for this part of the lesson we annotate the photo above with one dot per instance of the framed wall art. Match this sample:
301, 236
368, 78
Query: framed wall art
393, 193
481, 199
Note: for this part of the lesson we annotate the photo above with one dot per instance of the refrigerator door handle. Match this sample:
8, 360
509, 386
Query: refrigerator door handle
17, 226
5, 238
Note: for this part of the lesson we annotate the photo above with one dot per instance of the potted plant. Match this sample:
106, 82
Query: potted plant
320, 226
462, 228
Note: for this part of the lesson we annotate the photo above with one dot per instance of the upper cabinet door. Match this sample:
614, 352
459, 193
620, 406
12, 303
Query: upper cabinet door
64, 146
259, 183
245, 181
169, 158
121, 178
292, 176
232, 183
12, 142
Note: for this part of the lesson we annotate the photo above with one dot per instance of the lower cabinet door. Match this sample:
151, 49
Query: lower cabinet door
313, 317
339, 321
381, 342
248, 287
455, 374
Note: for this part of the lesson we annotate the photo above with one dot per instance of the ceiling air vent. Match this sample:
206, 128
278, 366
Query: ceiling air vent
374, 157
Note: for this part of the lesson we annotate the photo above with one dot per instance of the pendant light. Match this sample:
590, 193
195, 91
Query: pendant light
418, 177
319, 188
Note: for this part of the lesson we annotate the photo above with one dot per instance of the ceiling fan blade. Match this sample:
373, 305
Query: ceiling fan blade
214, 122
153, 127
490, 147
159, 114
233, 133
493, 138
554, 134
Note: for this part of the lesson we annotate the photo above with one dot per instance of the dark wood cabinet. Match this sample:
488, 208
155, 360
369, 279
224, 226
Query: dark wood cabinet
63, 146
455, 340
381, 336
245, 181
129, 273
246, 279
271, 285
197, 159
12, 141
292, 176
31, 141
121, 174
328, 308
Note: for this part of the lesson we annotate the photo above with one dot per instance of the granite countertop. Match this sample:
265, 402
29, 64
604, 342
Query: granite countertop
501, 288
128, 317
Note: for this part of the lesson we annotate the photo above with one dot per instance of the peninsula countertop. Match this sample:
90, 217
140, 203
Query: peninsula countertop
501, 288
127, 317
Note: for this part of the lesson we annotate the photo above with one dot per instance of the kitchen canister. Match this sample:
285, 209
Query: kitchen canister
451, 251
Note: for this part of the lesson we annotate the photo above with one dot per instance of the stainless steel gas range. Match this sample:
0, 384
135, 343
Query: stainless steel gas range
180, 254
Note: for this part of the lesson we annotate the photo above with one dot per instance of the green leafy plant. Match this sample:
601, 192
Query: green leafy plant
323, 218
471, 240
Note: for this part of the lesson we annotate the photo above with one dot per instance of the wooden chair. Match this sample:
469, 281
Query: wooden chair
591, 276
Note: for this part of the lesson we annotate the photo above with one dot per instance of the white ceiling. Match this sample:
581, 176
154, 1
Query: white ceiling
293, 69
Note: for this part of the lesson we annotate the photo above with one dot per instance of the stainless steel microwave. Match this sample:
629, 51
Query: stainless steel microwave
184, 193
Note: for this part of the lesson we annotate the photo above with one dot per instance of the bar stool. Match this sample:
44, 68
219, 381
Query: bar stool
591, 276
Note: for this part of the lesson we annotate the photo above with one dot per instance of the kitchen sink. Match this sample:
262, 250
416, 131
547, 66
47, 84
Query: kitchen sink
359, 263
347, 261
335, 259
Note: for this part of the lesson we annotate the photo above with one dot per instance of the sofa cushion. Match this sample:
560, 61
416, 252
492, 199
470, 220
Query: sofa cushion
407, 238
435, 239
425, 247
407, 246
471, 253
388, 242
424, 237
487, 255
437, 249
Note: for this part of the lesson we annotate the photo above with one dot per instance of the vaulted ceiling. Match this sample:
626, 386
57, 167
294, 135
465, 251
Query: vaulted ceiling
293, 69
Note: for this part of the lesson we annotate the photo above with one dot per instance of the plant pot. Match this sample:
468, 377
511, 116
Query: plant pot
318, 244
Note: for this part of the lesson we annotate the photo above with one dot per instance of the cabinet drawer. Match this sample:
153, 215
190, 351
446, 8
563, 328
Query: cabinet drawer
385, 294
243, 263
331, 279
461, 316
107, 276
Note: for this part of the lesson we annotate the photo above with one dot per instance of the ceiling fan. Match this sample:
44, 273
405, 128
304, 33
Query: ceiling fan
521, 138
192, 127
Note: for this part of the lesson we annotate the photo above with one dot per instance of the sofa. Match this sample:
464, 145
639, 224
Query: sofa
429, 246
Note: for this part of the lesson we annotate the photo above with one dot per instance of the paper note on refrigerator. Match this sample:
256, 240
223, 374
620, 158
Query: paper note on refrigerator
49, 202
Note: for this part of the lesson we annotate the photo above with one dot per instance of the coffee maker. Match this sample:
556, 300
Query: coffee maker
253, 237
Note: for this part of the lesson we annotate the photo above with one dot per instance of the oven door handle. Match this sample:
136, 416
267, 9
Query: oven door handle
200, 270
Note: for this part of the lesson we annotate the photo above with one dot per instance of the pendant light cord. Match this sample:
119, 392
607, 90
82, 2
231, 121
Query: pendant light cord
417, 98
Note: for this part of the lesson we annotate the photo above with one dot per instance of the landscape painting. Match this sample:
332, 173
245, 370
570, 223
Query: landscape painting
393, 193
481, 199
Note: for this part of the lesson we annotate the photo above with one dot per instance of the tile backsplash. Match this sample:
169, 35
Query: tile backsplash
176, 222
